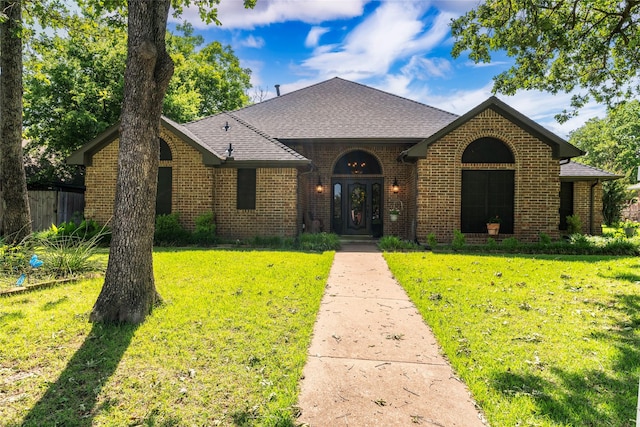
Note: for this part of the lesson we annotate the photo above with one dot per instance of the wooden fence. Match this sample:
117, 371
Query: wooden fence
52, 207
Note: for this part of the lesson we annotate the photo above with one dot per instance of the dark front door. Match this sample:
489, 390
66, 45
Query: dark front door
357, 204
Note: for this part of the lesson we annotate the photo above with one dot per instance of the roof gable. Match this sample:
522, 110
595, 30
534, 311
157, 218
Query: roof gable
83, 155
561, 149
341, 109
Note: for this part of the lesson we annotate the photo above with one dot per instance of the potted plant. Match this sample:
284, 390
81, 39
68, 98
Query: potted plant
630, 227
493, 225
393, 214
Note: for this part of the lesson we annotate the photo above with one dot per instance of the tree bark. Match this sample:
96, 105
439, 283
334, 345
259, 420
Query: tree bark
16, 219
129, 293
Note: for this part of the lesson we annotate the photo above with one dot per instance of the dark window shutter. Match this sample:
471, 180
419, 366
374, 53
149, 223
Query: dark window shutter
246, 189
163, 195
486, 193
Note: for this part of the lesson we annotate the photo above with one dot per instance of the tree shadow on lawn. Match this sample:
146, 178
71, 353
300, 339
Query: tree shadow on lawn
588, 397
71, 400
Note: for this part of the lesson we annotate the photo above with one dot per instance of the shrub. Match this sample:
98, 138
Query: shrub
491, 243
574, 224
431, 240
65, 256
510, 243
205, 232
393, 243
169, 231
544, 239
319, 242
458, 240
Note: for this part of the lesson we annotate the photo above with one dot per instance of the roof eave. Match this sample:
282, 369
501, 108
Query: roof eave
84, 154
561, 149
266, 164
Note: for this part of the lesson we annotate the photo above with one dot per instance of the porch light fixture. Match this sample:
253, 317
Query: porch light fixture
395, 186
319, 186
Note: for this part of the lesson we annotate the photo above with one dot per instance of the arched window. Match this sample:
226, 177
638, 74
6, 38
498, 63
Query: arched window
487, 150
488, 192
165, 151
357, 162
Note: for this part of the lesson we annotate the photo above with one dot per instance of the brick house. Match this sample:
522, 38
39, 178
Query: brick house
339, 156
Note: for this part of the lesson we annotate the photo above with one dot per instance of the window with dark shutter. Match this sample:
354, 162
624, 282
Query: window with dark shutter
487, 193
163, 195
246, 189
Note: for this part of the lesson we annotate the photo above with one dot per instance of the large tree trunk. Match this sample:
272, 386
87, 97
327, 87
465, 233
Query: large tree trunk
129, 293
16, 219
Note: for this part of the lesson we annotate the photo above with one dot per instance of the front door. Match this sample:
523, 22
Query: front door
357, 206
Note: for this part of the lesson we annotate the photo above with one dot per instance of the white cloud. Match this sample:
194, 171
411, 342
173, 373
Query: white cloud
314, 36
422, 68
232, 13
539, 106
392, 32
254, 42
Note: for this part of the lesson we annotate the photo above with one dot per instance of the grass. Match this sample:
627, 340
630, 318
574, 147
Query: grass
540, 341
226, 348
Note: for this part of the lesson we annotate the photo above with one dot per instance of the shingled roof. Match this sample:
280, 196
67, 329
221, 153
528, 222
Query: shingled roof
341, 109
578, 171
249, 144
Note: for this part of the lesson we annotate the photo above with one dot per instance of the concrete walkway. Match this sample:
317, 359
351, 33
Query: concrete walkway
372, 360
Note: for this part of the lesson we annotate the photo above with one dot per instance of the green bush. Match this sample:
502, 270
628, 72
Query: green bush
511, 243
431, 240
205, 232
574, 224
544, 239
393, 243
491, 243
66, 256
319, 242
169, 231
458, 240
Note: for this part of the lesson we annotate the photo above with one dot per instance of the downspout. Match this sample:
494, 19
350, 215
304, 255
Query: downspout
591, 206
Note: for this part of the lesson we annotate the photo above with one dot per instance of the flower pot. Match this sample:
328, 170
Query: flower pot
629, 231
493, 229
393, 217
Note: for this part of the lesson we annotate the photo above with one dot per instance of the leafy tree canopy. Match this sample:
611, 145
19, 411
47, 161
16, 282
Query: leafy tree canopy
612, 143
591, 47
74, 83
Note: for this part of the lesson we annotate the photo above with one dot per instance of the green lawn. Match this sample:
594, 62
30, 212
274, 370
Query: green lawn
540, 341
226, 348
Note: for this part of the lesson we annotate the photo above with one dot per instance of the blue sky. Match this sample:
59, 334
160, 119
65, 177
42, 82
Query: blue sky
399, 46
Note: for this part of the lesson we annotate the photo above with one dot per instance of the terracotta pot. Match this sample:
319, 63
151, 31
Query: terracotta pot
493, 229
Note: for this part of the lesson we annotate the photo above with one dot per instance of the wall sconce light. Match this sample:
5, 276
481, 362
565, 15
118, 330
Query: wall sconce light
395, 187
319, 186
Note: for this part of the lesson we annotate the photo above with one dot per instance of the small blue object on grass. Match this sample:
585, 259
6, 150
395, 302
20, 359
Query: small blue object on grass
20, 280
35, 262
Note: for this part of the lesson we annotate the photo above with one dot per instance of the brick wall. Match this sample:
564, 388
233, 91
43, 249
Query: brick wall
197, 189
276, 204
537, 183
591, 217
192, 192
325, 155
